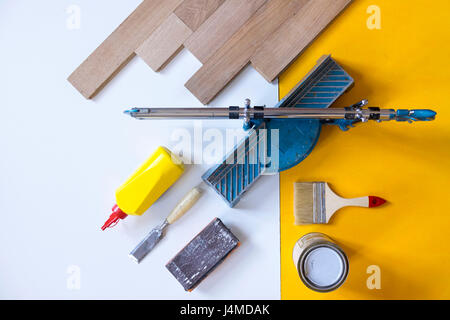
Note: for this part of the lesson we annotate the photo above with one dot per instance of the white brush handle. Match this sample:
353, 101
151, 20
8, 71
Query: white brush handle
356, 202
184, 205
334, 202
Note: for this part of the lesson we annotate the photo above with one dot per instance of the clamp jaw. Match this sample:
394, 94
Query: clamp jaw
349, 121
250, 122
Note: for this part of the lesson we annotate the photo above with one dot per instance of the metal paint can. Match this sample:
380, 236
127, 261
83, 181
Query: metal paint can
321, 264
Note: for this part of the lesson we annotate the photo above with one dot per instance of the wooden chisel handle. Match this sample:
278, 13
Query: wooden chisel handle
184, 205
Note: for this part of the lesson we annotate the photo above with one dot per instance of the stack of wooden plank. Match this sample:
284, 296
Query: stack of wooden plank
225, 35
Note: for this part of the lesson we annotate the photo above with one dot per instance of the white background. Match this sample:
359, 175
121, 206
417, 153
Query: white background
62, 157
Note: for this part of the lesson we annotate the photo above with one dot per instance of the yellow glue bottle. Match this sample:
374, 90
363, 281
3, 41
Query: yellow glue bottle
146, 185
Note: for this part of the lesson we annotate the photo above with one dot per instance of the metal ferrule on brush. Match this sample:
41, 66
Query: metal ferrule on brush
319, 207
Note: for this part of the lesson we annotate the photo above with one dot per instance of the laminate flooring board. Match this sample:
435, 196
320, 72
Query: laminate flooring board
194, 12
235, 54
291, 39
220, 27
225, 35
107, 60
169, 38
164, 43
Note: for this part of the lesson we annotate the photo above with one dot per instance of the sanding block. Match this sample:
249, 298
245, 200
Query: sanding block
203, 254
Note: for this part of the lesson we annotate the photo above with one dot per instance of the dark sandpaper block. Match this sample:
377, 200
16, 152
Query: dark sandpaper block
203, 254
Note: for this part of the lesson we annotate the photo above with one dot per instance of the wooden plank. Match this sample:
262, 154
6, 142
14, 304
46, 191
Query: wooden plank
194, 12
235, 54
164, 43
219, 28
115, 52
169, 38
289, 41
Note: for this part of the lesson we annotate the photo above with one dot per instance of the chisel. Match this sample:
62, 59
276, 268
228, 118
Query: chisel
150, 241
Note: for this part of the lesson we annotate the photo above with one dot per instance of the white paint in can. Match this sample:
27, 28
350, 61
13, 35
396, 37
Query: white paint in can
321, 263
323, 267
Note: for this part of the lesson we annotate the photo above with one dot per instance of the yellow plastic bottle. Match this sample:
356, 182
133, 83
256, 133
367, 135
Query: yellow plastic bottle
146, 185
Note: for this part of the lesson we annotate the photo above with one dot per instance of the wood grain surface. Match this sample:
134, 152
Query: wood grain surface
194, 12
229, 60
220, 27
289, 41
164, 43
225, 35
115, 52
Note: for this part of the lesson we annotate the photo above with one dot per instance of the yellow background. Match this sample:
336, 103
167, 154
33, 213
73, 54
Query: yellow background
403, 65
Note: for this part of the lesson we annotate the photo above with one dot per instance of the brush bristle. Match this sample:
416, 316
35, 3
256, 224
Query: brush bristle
303, 203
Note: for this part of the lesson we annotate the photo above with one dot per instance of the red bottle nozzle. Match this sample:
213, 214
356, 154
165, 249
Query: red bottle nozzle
114, 218
376, 201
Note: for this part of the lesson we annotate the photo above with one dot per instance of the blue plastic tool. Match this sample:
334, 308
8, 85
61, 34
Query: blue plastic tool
296, 137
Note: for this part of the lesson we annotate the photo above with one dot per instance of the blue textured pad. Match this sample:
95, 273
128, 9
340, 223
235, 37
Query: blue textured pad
240, 168
320, 88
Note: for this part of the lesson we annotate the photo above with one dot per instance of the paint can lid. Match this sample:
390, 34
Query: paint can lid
324, 268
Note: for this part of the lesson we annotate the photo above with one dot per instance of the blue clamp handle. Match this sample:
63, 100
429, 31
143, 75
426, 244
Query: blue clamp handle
415, 115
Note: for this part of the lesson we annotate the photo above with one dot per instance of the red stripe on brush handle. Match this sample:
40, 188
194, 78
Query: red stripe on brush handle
376, 201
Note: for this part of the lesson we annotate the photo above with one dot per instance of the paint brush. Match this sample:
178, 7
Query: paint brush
316, 203
150, 241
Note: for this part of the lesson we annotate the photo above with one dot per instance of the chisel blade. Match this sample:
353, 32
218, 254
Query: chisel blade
147, 244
